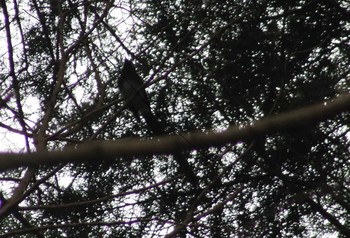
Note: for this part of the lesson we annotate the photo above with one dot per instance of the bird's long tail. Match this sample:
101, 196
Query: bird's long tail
153, 124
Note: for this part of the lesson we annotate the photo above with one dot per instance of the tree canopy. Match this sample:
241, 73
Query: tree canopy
253, 95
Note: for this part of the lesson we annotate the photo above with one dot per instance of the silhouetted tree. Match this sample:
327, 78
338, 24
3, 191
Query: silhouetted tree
206, 65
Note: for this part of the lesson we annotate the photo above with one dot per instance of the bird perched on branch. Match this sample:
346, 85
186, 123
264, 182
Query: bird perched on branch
134, 95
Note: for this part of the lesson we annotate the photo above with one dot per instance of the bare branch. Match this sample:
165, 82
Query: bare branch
109, 150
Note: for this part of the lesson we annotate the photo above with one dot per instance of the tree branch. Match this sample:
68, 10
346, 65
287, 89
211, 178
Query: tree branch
109, 150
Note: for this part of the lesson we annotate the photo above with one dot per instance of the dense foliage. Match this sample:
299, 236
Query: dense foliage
207, 64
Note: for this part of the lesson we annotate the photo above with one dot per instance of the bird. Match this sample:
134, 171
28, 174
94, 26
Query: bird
134, 95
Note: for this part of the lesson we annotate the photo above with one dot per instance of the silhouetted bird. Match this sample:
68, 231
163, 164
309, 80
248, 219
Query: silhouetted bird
134, 95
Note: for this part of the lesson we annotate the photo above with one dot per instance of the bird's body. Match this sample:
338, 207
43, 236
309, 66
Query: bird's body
134, 95
130, 85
